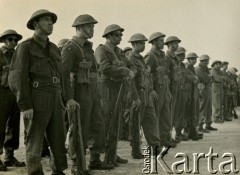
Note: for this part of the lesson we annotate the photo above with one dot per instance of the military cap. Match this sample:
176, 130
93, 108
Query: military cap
235, 69
38, 14
192, 55
232, 70
224, 63
84, 19
204, 57
9, 32
155, 36
112, 28
180, 50
127, 49
137, 37
215, 62
172, 39
62, 42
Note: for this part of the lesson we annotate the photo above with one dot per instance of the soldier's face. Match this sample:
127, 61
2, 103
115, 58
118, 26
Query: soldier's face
174, 45
88, 29
193, 61
139, 46
225, 67
205, 62
160, 43
116, 37
11, 41
217, 66
45, 25
127, 53
181, 57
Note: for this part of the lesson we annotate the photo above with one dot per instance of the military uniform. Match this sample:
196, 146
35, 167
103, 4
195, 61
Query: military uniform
148, 118
217, 93
192, 105
205, 93
226, 90
9, 111
114, 66
75, 55
35, 79
155, 59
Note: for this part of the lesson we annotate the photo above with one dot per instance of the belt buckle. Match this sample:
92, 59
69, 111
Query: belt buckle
55, 80
35, 84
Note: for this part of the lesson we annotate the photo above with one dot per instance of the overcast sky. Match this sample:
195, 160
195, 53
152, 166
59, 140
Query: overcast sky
205, 26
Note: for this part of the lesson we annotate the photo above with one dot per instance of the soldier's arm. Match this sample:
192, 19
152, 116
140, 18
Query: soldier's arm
150, 61
201, 76
68, 58
19, 77
106, 67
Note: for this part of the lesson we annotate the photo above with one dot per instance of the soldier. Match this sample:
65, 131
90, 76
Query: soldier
192, 105
233, 89
78, 59
205, 94
114, 68
61, 43
35, 79
172, 43
181, 99
127, 51
155, 59
217, 92
144, 116
226, 89
9, 111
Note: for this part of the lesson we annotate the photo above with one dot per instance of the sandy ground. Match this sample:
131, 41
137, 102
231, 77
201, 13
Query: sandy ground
225, 140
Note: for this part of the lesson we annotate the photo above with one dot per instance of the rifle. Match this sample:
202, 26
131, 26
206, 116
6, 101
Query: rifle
114, 128
78, 142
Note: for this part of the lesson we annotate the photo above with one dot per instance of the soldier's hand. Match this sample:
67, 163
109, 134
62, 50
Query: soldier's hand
136, 104
28, 114
72, 105
154, 95
131, 74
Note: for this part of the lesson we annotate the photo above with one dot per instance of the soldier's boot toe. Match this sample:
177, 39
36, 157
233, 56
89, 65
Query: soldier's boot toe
203, 130
210, 128
121, 160
167, 143
13, 162
99, 165
2, 166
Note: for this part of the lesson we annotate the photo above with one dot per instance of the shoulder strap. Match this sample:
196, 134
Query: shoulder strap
81, 50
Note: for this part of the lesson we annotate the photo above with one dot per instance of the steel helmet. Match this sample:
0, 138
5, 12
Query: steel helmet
215, 62
137, 37
62, 42
155, 36
9, 32
127, 49
112, 28
84, 19
180, 50
192, 55
38, 14
172, 39
204, 57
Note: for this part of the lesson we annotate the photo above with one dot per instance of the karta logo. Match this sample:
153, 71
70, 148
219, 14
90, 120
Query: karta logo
152, 162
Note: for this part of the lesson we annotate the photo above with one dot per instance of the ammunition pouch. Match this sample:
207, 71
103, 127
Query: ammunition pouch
83, 74
4, 77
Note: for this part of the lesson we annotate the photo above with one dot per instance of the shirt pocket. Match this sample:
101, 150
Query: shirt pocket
39, 62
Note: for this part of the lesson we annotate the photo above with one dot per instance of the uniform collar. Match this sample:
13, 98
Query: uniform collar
40, 40
156, 51
80, 41
110, 46
171, 54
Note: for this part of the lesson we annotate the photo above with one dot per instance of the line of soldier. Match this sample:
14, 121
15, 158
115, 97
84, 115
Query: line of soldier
111, 87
